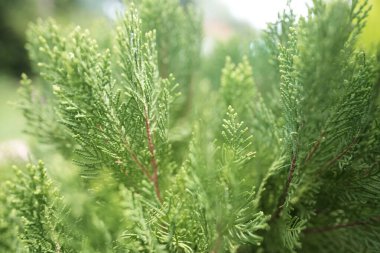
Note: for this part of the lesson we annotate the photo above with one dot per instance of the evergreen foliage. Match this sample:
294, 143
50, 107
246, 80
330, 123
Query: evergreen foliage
282, 158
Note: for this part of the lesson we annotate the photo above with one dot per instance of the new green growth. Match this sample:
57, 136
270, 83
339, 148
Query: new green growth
282, 156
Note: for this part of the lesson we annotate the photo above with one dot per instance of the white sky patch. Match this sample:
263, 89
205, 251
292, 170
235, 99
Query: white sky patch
259, 12
113, 8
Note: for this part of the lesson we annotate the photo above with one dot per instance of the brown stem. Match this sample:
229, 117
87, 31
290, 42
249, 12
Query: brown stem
341, 154
281, 201
217, 244
339, 226
153, 160
137, 161
313, 149
141, 166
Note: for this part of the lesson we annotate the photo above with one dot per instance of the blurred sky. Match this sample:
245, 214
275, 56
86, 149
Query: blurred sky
256, 12
259, 12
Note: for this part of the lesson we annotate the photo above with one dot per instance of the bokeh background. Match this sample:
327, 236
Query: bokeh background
230, 26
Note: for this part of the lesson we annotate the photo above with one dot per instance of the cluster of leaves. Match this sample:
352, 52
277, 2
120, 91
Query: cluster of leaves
286, 162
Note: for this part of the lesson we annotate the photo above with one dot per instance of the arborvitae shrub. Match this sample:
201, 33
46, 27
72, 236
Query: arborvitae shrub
282, 157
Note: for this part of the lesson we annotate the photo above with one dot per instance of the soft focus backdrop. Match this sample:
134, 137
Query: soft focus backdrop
229, 28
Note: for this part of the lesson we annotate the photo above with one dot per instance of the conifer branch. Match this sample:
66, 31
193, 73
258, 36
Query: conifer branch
112, 110
137, 161
153, 160
314, 149
285, 192
314, 230
341, 154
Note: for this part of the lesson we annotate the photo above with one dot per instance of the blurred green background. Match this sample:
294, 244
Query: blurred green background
371, 35
97, 16
223, 36
15, 16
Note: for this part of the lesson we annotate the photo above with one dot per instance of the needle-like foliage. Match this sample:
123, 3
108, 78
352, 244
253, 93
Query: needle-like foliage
282, 160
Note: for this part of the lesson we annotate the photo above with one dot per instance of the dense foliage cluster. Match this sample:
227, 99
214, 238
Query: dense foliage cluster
282, 156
